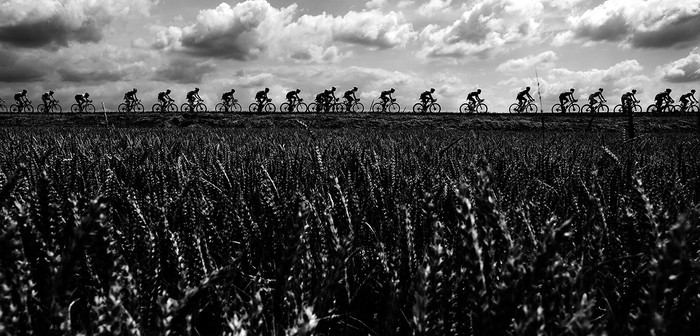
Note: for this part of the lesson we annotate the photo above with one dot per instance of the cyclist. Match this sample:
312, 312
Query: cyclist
82, 99
293, 98
329, 97
386, 98
474, 98
350, 97
227, 97
628, 101
427, 97
164, 98
566, 97
524, 97
193, 96
130, 97
661, 98
47, 98
687, 98
261, 98
595, 98
21, 99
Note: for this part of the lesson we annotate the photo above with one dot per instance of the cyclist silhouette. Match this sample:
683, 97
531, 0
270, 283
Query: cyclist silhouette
350, 97
473, 97
595, 98
192, 96
293, 98
661, 98
21, 99
628, 100
261, 98
524, 97
164, 98
47, 98
687, 98
329, 97
385, 96
227, 97
130, 97
565, 97
427, 97
82, 99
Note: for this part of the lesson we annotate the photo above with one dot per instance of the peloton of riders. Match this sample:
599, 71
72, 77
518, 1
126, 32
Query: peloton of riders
327, 98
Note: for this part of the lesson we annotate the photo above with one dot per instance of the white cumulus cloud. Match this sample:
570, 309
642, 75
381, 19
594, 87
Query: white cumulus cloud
684, 70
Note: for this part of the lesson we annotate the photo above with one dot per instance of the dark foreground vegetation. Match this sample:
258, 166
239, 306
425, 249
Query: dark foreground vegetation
293, 232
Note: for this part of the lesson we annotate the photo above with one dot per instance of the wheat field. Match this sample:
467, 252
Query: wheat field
347, 232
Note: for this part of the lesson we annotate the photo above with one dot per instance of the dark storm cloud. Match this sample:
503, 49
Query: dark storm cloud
184, 71
78, 76
50, 32
13, 69
685, 29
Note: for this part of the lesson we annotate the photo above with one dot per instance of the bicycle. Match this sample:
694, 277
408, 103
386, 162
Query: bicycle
691, 107
528, 107
3, 108
355, 106
131, 106
569, 106
196, 106
598, 107
167, 107
298, 106
390, 106
26, 107
635, 108
431, 107
232, 106
85, 106
53, 107
469, 107
666, 107
266, 107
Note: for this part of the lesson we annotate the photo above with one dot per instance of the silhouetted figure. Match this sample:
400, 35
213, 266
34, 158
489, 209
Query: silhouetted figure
566, 97
661, 98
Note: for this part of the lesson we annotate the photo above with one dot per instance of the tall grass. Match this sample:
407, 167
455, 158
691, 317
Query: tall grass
282, 232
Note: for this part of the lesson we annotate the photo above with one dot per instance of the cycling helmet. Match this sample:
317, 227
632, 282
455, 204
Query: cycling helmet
24, 91
333, 88
233, 90
50, 92
135, 90
527, 88
355, 88
634, 91
572, 90
668, 90
392, 90
167, 91
298, 90
692, 91
267, 89
478, 91
87, 95
601, 89
432, 89
196, 89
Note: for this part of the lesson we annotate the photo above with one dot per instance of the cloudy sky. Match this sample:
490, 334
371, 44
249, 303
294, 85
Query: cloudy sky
107, 47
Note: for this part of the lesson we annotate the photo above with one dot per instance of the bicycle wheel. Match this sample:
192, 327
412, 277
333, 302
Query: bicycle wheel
514, 108
617, 108
636, 109
418, 108
358, 108
123, 108
302, 108
201, 108
157, 108
603, 109
29, 109
185, 108
14, 108
394, 108
575, 108
586, 109
3, 109
89, 108
532, 108
482, 109
285, 107
253, 108
41, 108
435, 108
377, 108
171, 108
691, 109
75, 108
270, 108
338, 108
464, 108
652, 109
555, 109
